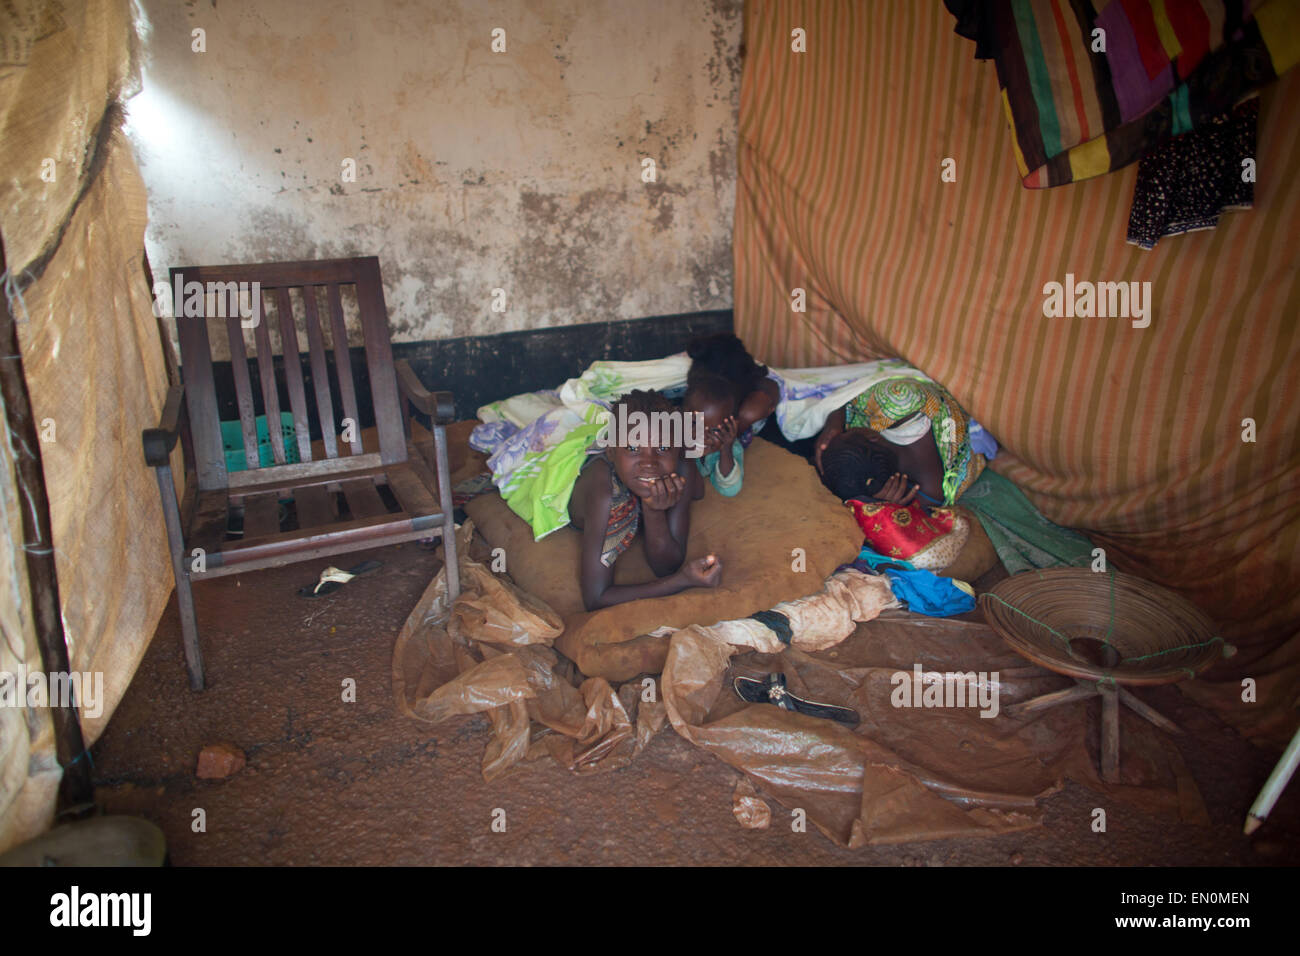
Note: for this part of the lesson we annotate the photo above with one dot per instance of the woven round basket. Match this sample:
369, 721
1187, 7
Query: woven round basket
1102, 626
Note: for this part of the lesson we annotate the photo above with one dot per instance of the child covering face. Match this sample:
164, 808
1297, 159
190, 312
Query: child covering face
723, 462
916, 424
632, 489
724, 356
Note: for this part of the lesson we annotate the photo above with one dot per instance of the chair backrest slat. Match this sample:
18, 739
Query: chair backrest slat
243, 387
319, 376
270, 393
343, 366
293, 373
274, 281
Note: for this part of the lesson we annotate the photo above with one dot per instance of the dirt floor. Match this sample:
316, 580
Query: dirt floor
332, 782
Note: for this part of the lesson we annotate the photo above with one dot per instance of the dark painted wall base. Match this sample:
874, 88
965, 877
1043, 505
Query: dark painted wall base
482, 369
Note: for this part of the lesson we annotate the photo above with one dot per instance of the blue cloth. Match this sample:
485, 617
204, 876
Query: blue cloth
922, 591
868, 561
981, 442
926, 593
487, 437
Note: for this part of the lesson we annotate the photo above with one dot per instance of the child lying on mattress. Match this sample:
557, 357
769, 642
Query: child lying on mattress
723, 461
724, 357
638, 487
900, 439
905, 440
735, 396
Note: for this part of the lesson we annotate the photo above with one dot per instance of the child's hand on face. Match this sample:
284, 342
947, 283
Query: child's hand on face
711, 441
703, 572
664, 492
722, 436
898, 490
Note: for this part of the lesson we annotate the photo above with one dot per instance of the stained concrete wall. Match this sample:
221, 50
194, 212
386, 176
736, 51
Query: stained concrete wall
475, 170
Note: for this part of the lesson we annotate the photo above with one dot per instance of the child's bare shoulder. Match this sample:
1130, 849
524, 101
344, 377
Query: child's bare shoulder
595, 472
591, 491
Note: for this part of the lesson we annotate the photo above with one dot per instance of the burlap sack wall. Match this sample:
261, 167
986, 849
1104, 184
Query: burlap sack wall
24, 802
63, 64
94, 368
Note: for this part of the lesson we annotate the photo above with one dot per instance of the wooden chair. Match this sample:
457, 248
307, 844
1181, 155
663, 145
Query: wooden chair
353, 497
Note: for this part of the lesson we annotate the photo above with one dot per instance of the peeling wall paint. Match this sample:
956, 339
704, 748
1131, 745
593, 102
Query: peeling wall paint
475, 170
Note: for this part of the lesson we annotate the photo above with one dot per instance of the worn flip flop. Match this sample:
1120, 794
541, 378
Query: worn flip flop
331, 579
772, 690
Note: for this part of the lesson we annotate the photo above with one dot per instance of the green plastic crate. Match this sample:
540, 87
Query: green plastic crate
232, 442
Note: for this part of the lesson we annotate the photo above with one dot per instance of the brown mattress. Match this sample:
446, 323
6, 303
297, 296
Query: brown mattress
782, 507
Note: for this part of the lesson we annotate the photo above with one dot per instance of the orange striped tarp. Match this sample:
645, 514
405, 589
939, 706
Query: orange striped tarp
1135, 435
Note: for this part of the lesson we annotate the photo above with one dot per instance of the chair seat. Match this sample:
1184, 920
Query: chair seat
277, 522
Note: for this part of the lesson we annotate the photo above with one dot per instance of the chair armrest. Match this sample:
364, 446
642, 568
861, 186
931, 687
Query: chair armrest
439, 406
159, 442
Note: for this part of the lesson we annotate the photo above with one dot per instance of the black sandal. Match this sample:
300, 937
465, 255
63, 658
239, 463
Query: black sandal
772, 690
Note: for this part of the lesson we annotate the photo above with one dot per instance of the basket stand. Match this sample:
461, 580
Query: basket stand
1112, 696
1107, 631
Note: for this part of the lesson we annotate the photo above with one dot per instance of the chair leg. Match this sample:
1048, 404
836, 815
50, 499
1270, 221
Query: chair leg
184, 594
448, 517
189, 628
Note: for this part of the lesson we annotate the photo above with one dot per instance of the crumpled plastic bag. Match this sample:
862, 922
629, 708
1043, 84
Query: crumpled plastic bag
489, 653
605, 730
493, 610
751, 810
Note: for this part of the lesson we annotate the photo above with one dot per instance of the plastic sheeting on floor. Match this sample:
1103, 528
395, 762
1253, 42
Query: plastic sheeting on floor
907, 772
490, 653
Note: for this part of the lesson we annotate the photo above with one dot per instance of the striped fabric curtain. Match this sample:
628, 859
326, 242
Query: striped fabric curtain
879, 213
